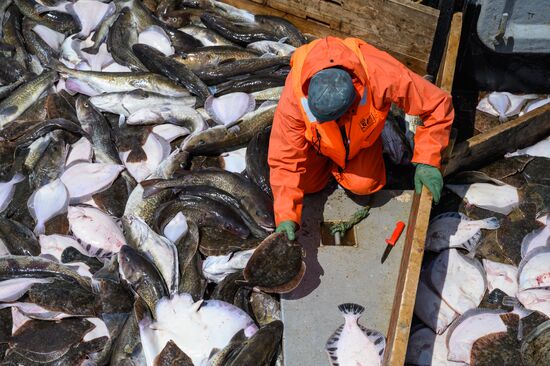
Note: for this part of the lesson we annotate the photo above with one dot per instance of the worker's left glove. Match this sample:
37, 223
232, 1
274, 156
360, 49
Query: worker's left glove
430, 177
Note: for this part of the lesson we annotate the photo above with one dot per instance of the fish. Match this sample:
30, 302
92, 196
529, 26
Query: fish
176, 228
257, 168
204, 212
352, 343
456, 230
155, 61
500, 347
229, 108
282, 28
7, 190
89, 14
36, 45
250, 198
234, 161
156, 248
24, 97
62, 296
206, 36
156, 37
17, 239
431, 309
80, 152
502, 276
11, 35
210, 56
97, 231
217, 268
127, 103
12, 290
123, 34
533, 270
533, 169
498, 198
468, 328
171, 354
425, 348
261, 348
142, 275
83, 180
539, 149
273, 94
534, 347
62, 22
266, 307
11, 71
251, 84
13, 266
47, 202
535, 299
94, 83
220, 139
241, 34
215, 74
211, 324
177, 114
215, 241
535, 239
272, 48
459, 280
276, 266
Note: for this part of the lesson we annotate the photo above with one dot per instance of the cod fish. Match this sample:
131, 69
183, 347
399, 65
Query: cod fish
229, 107
353, 344
159, 250
471, 326
498, 198
540, 149
459, 280
534, 269
209, 324
432, 310
456, 230
502, 276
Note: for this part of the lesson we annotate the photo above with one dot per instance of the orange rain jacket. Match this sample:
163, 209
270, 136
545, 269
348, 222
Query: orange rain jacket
299, 145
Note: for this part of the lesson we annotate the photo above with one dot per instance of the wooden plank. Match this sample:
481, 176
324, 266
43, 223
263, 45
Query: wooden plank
317, 25
403, 306
507, 137
385, 24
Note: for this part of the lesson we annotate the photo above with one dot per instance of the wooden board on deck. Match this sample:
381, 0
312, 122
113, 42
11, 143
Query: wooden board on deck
507, 137
419, 218
402, 28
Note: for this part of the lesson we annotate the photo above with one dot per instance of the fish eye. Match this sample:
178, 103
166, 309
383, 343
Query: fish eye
202, 142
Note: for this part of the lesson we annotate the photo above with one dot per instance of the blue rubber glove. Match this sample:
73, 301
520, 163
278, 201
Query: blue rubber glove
288, 227
430, 177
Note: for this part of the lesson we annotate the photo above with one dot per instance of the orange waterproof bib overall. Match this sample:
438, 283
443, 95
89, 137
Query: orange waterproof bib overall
304, 153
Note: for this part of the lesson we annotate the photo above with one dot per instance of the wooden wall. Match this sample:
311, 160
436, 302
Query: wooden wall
403, 28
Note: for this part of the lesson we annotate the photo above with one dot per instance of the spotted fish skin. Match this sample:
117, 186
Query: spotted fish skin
352, 344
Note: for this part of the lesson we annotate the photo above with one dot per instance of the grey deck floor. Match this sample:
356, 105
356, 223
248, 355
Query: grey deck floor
340, 274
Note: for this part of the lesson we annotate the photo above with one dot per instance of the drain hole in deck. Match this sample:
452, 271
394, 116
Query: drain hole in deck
327, 239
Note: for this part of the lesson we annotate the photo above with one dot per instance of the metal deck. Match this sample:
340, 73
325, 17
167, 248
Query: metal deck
339, 274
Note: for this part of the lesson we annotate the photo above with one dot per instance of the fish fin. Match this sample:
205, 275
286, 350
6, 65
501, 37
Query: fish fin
149, 188
351, 308
510, 301
136, 156
197, 306
331, 347
376, 338
283, 40
213, 353
229, 60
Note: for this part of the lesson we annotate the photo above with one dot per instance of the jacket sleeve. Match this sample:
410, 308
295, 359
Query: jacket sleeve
287, 153
393, 82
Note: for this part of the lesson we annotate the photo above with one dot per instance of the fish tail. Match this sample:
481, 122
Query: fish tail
491, 223
351, 308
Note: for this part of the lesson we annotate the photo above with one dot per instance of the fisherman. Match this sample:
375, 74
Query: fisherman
330, 117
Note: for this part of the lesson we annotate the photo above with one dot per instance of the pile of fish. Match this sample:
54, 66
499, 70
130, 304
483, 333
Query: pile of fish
136, 216
484, 291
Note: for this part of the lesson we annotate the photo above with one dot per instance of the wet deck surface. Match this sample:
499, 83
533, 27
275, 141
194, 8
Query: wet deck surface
336, 275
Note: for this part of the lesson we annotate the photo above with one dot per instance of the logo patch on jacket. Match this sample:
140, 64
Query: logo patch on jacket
366, 122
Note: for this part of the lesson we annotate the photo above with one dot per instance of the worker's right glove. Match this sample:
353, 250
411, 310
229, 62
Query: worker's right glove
289, 228
431, 177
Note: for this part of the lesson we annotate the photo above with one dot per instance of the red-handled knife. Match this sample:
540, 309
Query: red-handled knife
399, 226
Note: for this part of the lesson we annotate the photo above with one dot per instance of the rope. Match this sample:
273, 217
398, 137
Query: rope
357, 217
